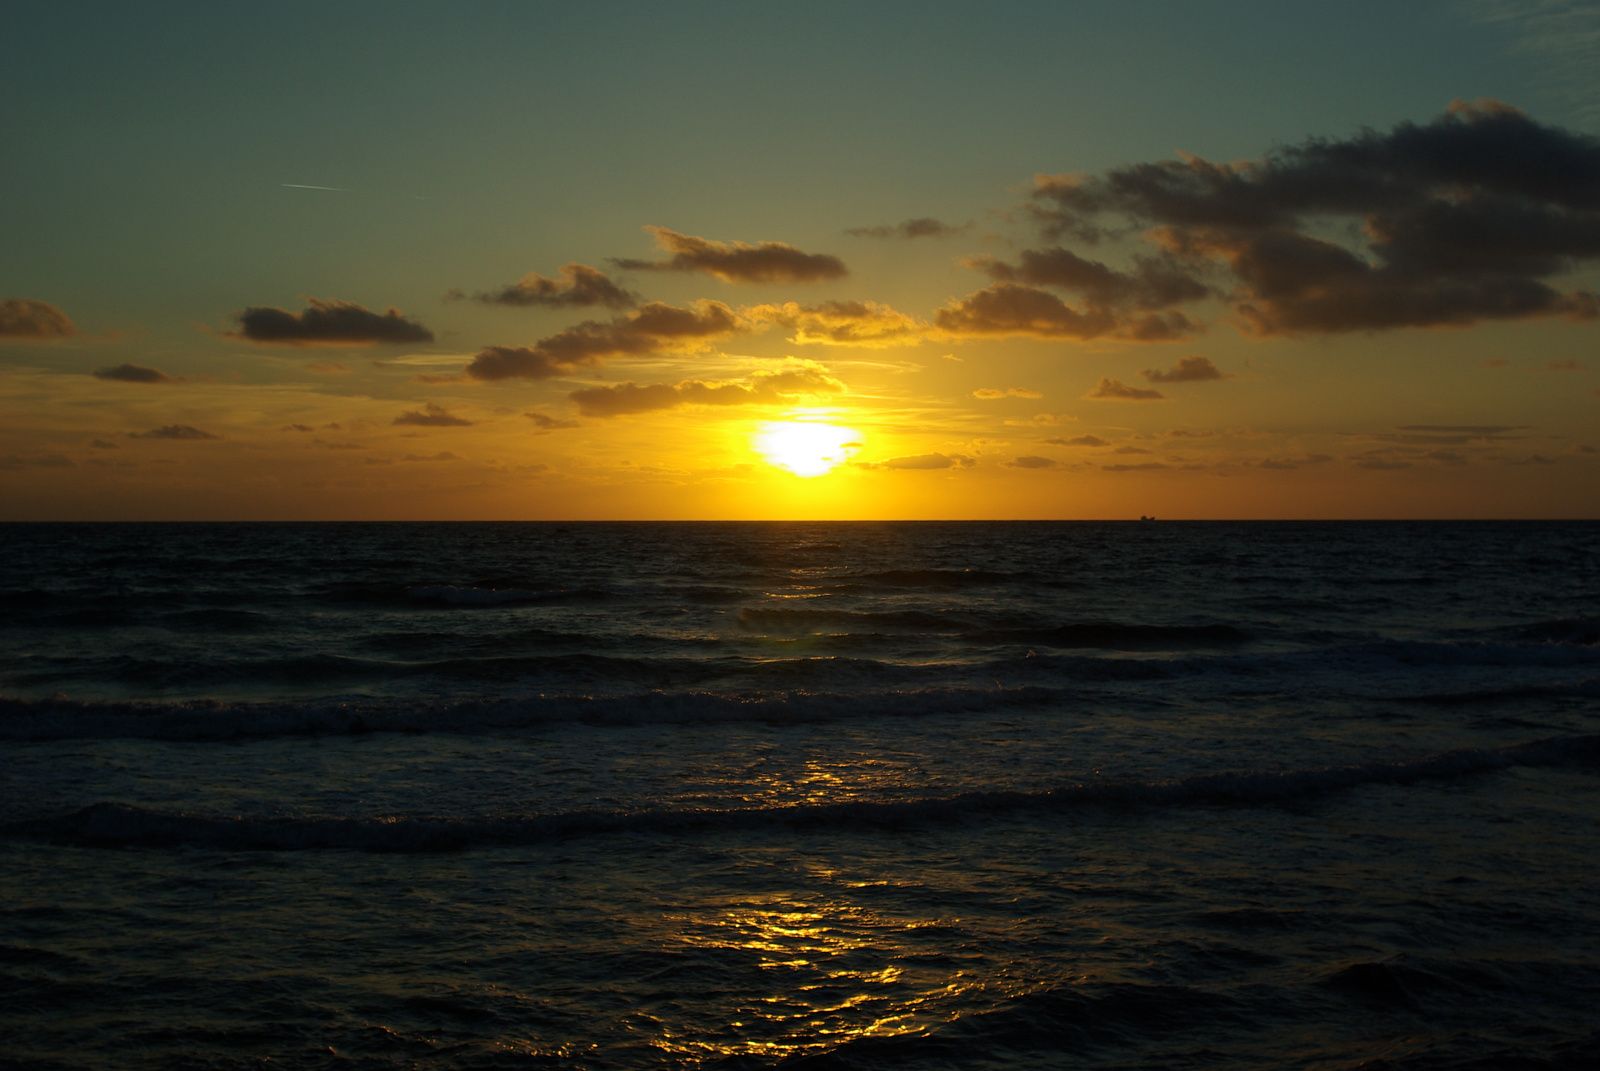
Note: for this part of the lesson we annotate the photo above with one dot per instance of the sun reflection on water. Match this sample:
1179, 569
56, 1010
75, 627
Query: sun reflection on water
823, 972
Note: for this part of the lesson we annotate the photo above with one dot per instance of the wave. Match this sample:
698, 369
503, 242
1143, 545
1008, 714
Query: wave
210, 720
1112, 636
125, 825
930, 578
773, 620
1567, 631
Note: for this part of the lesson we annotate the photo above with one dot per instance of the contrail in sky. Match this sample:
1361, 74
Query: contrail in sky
304, 186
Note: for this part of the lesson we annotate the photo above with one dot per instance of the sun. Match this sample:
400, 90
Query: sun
804, 447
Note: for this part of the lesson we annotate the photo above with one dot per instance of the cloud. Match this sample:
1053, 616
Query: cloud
1563, 366
1290, 463
918, 462
1187, 370
865, 324
327, 368
1454, 434
1032, 462
764, 388
1116, 390
298, 427
579, 286
1142, 466
329, 323
1466, 218
37, 461
103, 444
991, 393
1011, 309
1081, 440
655, 327
737, 262
25, 318
132, 373
432, 415
442, 455
1156, 282
921, 227
549, 423
180, 432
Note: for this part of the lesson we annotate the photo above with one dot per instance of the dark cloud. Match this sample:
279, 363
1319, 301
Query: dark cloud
763, 388
1156, 282
1187, 370
1116, 390
579, 286
1142, 466
1465, 218
737, 262
103, 444
1454, 434
1081, 440
921, 227
1031, 461
329, 323
432, 415
173, 431
923, 462
1010, 309
841, 323
298, 427
549, 423
1291, 463
25, 318
132, 373
442, 455
655, 327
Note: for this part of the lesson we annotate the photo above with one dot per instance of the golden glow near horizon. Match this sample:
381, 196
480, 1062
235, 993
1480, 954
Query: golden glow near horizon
806, 448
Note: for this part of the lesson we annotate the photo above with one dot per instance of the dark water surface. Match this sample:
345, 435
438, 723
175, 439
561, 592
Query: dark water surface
807, 795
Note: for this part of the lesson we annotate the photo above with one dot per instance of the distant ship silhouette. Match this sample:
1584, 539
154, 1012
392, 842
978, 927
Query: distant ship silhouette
1144, 517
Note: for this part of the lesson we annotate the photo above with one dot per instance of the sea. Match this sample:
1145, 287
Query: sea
800, 795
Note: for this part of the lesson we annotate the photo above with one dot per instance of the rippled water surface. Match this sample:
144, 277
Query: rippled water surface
804, 795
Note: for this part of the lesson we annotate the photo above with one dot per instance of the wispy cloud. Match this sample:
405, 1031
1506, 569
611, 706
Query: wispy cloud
1187, 370
767, 388
579, 286
737, 262
432, 415
654, 328
920, 227
1117, 391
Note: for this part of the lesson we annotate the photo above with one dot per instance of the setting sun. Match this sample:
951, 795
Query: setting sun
805, 448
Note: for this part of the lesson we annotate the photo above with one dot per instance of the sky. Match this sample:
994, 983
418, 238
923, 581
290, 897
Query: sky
727, 261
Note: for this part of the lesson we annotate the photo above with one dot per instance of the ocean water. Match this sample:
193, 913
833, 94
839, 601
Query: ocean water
1148, 795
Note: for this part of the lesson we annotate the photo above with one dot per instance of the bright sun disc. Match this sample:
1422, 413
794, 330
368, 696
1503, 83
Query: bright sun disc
805, 448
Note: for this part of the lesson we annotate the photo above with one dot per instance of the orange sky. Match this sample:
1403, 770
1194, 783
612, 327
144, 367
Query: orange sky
1389, 312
